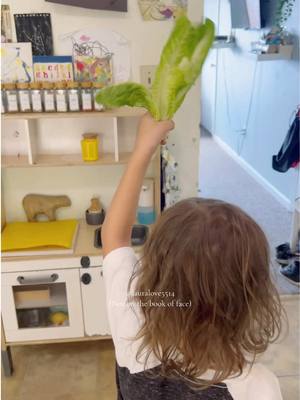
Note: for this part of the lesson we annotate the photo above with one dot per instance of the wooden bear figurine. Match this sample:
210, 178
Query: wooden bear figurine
35, 204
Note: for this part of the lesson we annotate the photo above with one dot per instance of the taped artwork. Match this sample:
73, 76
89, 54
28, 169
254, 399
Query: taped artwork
98, 51
92, 61
52, 68
160, 10
93, 69
37, 29
6, 29
16, 62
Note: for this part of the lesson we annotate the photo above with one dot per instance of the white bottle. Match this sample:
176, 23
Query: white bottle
145, 212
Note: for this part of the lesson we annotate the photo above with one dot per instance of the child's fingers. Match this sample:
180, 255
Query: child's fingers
168, 125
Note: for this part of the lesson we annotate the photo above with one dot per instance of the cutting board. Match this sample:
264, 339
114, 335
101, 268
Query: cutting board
39, 238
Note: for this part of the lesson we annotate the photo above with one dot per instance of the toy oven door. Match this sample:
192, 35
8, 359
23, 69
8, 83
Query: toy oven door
42, 305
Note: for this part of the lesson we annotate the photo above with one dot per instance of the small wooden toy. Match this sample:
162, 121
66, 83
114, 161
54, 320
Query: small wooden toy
95, 206
35, 204
95, 214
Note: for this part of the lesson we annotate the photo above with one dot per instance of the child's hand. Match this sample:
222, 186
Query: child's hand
151, 133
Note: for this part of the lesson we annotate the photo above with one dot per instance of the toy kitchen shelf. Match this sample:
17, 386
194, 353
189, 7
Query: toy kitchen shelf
33, 159
24, 311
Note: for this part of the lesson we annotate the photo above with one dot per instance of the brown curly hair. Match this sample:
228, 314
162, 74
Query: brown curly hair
214, 260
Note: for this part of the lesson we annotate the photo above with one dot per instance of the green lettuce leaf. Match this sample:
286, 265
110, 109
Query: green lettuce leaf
126, 94
180, 64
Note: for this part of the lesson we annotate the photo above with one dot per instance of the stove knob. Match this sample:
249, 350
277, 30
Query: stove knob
85, 261
86, 279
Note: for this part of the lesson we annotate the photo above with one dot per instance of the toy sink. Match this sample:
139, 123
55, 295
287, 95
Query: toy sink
139, 235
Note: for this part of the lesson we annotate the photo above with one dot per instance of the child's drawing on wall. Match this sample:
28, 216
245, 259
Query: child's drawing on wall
159, 10
16, 62
92, 61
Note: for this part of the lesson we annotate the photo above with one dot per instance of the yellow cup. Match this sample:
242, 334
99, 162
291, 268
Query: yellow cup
89, 147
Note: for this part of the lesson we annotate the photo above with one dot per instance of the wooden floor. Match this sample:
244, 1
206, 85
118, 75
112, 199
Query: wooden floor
85, 371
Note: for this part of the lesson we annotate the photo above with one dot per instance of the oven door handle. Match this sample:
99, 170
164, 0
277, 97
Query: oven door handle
37, 280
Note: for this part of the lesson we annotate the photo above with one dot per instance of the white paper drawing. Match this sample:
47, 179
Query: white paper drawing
16, 62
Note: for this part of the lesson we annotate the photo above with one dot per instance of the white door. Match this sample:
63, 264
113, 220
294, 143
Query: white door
42, 305
94, 302
209, 72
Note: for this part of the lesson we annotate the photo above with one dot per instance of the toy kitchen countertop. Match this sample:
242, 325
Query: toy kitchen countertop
85, 255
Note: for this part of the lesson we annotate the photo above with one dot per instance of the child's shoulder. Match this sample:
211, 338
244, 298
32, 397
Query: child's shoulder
258, 383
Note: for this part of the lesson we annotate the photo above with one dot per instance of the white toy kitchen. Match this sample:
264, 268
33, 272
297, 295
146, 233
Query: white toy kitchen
61, 297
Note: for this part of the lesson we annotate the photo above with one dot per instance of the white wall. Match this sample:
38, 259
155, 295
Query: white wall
146, 39
275, 96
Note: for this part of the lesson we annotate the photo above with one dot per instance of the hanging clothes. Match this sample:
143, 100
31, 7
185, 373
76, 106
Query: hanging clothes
288, 156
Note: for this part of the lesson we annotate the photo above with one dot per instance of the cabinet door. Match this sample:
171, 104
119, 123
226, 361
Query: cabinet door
42, 305
94, 302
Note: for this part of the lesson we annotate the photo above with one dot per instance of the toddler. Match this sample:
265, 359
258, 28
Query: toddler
189, 318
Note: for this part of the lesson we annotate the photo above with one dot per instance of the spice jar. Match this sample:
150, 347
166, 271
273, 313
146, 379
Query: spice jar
73, 96
11, 97
89, 147
61, 97
48, 96
24, 96
36, 97
86, 96
96, 87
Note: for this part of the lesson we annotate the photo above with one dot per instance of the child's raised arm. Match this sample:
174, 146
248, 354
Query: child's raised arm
116, 230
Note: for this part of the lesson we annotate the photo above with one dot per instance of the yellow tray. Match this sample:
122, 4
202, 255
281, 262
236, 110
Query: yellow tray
33, 235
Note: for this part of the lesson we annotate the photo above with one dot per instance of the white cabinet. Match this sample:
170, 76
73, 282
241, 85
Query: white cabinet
42, 305
94, 302
54, 304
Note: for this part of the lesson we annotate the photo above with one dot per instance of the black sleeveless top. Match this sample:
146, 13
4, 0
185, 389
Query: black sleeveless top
141, 386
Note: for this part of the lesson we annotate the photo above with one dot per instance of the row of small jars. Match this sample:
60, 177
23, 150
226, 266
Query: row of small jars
50, 97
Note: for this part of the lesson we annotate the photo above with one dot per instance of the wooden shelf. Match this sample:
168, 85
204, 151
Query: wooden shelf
14, 161
59, 160
118, 112
285, 53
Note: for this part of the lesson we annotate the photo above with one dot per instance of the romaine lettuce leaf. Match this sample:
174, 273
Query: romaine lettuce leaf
180, 65
129, 94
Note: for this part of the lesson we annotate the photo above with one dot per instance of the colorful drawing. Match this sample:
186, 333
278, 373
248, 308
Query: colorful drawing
160, 10
94, 69
102, 43
16, 62
52, 68
35, 28
92, 61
